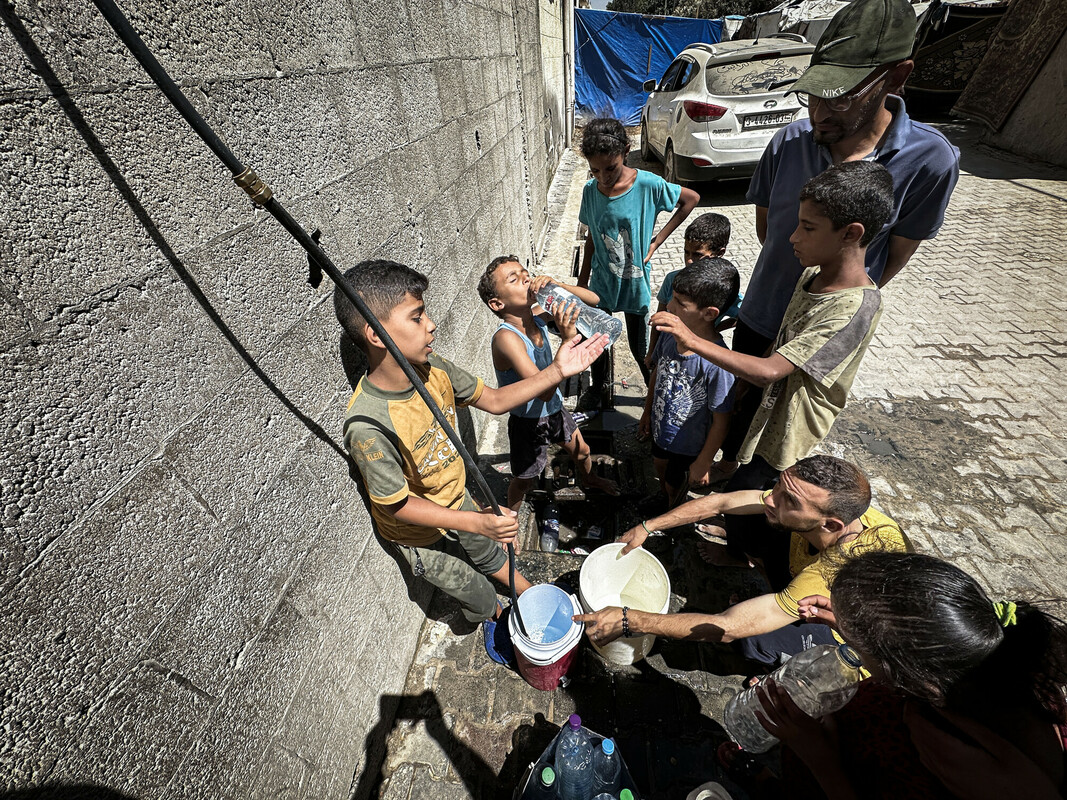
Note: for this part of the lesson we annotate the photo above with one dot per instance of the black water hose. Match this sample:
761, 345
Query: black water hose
247, 179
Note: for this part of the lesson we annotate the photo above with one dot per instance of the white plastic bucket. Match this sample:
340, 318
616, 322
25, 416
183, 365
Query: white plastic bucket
637, 580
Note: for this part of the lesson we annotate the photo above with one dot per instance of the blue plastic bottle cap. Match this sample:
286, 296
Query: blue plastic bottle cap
609, 746
575, 722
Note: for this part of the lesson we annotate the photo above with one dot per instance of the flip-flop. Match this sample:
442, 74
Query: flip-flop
498, 644
710, 552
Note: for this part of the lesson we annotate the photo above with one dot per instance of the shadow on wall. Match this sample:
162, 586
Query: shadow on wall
477, 776
59, 791
81, 126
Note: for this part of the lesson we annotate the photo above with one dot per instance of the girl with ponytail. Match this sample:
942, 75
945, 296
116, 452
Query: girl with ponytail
967, 694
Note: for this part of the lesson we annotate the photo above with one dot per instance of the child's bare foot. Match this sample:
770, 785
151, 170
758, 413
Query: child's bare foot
710, 530
604, 485
718, 556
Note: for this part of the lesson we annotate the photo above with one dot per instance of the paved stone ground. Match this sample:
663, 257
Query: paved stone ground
957, 415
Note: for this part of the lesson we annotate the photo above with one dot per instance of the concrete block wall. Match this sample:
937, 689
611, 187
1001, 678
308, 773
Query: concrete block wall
192, 603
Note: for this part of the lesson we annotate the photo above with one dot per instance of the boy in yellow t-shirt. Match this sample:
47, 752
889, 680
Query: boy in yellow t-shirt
413, 472
820, 510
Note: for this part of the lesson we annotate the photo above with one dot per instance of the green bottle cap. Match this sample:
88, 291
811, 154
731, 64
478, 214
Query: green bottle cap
626, 794
548, 777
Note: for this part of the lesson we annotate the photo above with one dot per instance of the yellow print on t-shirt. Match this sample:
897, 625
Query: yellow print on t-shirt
433, 451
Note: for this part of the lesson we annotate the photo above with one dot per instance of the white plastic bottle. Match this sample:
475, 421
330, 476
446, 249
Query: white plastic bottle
591, 321
574, 762
606, 768
820, 680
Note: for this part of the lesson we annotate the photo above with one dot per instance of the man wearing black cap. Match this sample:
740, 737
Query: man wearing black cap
854, 113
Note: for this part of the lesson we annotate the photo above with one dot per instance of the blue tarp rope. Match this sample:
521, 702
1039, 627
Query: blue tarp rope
617, 52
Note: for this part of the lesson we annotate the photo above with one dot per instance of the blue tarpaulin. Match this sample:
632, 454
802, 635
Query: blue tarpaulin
618, 52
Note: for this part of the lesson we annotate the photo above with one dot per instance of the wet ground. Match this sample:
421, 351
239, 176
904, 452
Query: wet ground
957, 416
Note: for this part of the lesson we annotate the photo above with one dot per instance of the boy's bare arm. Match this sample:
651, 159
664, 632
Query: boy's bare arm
698, 471
420, 511
757, 370
571, 358
509, 352
741, 503
686, 203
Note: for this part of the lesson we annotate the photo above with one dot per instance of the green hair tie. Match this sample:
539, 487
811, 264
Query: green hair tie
1005, 613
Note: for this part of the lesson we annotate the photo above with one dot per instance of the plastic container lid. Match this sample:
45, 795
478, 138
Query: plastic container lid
608, 745
626, 794
548, 776
849, 656
575, 722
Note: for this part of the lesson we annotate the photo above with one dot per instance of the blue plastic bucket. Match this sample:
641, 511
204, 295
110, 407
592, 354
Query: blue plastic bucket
546, 613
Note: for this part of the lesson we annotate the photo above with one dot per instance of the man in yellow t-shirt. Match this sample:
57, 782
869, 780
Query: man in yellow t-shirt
821, 506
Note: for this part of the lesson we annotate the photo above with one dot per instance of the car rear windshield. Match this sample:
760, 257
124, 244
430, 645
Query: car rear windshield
751, 77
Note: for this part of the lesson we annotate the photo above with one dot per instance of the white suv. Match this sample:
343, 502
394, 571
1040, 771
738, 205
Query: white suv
718, 105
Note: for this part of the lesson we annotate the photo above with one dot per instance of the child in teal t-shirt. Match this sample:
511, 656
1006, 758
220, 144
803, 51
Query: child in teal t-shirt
620, 205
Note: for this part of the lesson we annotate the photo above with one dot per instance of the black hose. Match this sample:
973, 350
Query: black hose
166, 84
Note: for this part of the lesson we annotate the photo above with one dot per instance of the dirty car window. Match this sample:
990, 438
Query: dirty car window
748, 77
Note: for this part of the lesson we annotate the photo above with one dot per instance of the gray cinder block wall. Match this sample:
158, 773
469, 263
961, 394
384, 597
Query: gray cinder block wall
191, 600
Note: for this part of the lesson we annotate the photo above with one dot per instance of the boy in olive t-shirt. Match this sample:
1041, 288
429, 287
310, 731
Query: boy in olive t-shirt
830, 321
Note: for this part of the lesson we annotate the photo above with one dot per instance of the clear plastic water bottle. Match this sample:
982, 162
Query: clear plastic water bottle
543, 785
591, 321
606, 768
549, 528
820, 680
574, 762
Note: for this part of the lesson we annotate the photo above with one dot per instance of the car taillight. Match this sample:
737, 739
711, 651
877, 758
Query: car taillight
702, 112
702, 162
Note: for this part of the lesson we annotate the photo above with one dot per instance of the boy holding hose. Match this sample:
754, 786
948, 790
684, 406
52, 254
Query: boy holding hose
413, 472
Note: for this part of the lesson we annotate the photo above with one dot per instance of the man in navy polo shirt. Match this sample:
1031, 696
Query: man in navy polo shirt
854, 112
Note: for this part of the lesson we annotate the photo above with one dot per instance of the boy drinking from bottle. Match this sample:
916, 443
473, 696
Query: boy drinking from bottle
520, 349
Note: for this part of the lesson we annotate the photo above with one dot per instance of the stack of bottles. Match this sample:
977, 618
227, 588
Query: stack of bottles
582, 770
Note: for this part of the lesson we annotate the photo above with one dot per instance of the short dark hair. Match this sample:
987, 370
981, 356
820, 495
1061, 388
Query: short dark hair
487, 283
938, 637
383, 285
848, 487
605, 136
709, 229
709, 282
855, 191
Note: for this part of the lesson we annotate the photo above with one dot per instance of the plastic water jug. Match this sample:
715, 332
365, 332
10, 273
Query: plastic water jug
591, 321
820, 680
574, 762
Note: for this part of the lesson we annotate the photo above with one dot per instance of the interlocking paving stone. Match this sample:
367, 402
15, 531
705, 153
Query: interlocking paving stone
964, 379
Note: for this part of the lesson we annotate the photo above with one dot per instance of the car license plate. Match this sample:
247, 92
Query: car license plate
766, 120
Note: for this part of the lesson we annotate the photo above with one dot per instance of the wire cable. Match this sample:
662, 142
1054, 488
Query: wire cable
262, 195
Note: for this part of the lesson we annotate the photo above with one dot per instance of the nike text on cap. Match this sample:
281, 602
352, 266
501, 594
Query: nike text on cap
862, 36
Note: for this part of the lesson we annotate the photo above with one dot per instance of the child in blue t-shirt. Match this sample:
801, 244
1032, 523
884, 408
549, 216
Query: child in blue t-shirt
705, 237
620, 205
689, 398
